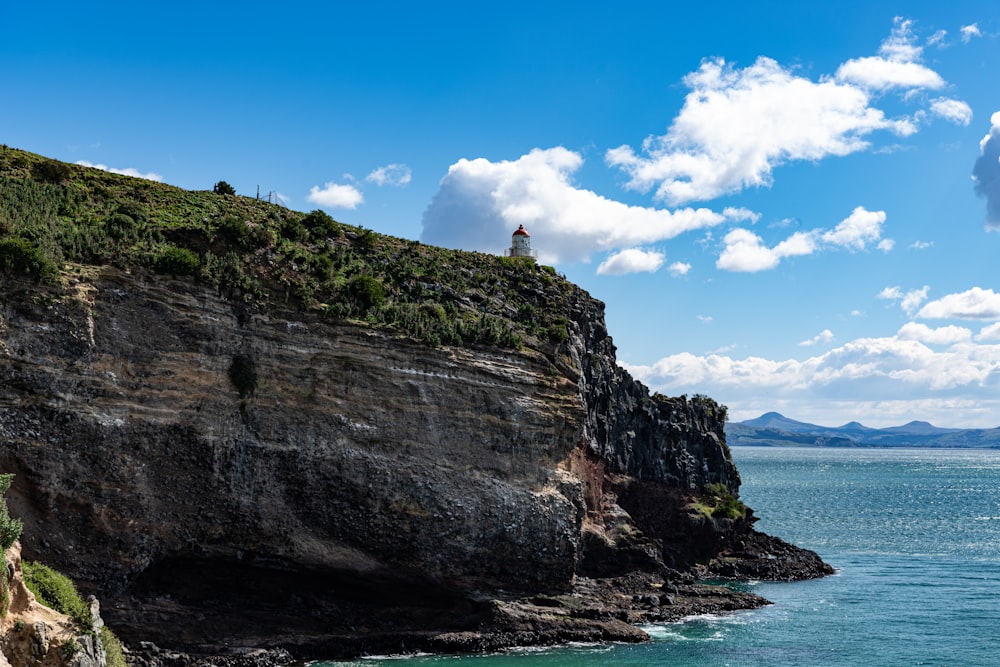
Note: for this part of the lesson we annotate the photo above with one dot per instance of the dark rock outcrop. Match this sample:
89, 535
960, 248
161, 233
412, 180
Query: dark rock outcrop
226, 479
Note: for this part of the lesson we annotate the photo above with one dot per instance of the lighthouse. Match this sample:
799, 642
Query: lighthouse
520, 244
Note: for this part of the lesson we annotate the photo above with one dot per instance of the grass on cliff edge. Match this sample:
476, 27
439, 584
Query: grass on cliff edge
54, 214
716, 501
57, 591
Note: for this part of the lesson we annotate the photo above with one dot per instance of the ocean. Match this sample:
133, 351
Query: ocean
913, 533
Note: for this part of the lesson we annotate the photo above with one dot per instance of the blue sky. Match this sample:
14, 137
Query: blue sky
786, 206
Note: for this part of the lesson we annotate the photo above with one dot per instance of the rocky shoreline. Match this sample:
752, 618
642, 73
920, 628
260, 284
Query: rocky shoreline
595, 610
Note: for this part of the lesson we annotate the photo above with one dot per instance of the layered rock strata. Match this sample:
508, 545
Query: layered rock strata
229, 478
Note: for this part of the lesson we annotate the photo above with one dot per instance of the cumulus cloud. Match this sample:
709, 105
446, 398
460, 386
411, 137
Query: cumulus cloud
857, 229
921, 245
989, 332
679, 269
908, 301
745, 251
737, 125
970, 31
333, 195
391, 174
128, 171
480, 203
973, 304
986, 172
631, 260
897, 64
824, 336
956, 111
948, 335
879, 381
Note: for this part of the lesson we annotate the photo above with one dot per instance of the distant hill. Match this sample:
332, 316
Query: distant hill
775, 430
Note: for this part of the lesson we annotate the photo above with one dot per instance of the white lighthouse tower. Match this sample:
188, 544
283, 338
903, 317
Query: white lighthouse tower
520, 244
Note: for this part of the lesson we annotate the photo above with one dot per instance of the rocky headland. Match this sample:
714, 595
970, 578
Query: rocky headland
233, 464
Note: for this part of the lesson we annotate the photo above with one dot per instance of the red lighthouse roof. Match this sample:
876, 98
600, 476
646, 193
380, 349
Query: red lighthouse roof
521, 231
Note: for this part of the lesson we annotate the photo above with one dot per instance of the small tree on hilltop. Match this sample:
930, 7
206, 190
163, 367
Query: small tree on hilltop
223, 188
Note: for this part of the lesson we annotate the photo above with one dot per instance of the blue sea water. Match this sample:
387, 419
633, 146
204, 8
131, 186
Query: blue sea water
914, 534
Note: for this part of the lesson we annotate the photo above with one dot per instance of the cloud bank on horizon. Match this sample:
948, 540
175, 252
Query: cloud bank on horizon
938, 370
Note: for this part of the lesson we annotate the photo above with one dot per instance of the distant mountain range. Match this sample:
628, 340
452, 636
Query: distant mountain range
775, 430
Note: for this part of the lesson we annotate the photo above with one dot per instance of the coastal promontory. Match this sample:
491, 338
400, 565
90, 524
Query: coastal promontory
241, 426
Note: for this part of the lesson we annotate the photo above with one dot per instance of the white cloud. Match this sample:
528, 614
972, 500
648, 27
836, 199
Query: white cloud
886, 245
746, 252
956, 111
333, 195
879, 381
480, 203
737, 125
679, 269
909, 301
912, 299
937, 39
989, 332
857, 229
948, 335
631, 260
921, 245
890, 293
973, 304
896, 66
824, 336
705, 318
391, 174
970, 31
880, 73
128, 171
986, 172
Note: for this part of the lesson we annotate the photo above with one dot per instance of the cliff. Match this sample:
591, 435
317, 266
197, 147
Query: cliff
290, 463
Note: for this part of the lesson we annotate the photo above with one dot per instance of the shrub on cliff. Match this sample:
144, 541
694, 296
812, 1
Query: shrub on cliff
57, 591
21, 256
243, 375
718, 502
365, 293
177, 262
10, 528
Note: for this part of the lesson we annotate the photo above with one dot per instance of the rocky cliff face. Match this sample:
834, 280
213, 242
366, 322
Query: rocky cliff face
222, 476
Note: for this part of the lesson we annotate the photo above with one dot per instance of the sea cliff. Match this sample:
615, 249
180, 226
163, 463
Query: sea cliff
232, 466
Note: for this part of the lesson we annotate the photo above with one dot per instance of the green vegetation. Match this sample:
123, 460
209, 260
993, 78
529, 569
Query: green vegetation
22, 256
718, 502
243, 375
710, 407
112, 648
10, 528
54, 216
57, 591
69, 647
223, 188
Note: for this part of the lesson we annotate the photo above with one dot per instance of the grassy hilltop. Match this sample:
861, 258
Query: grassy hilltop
56, 217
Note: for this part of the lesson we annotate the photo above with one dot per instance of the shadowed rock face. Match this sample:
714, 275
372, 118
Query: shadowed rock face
355, 481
